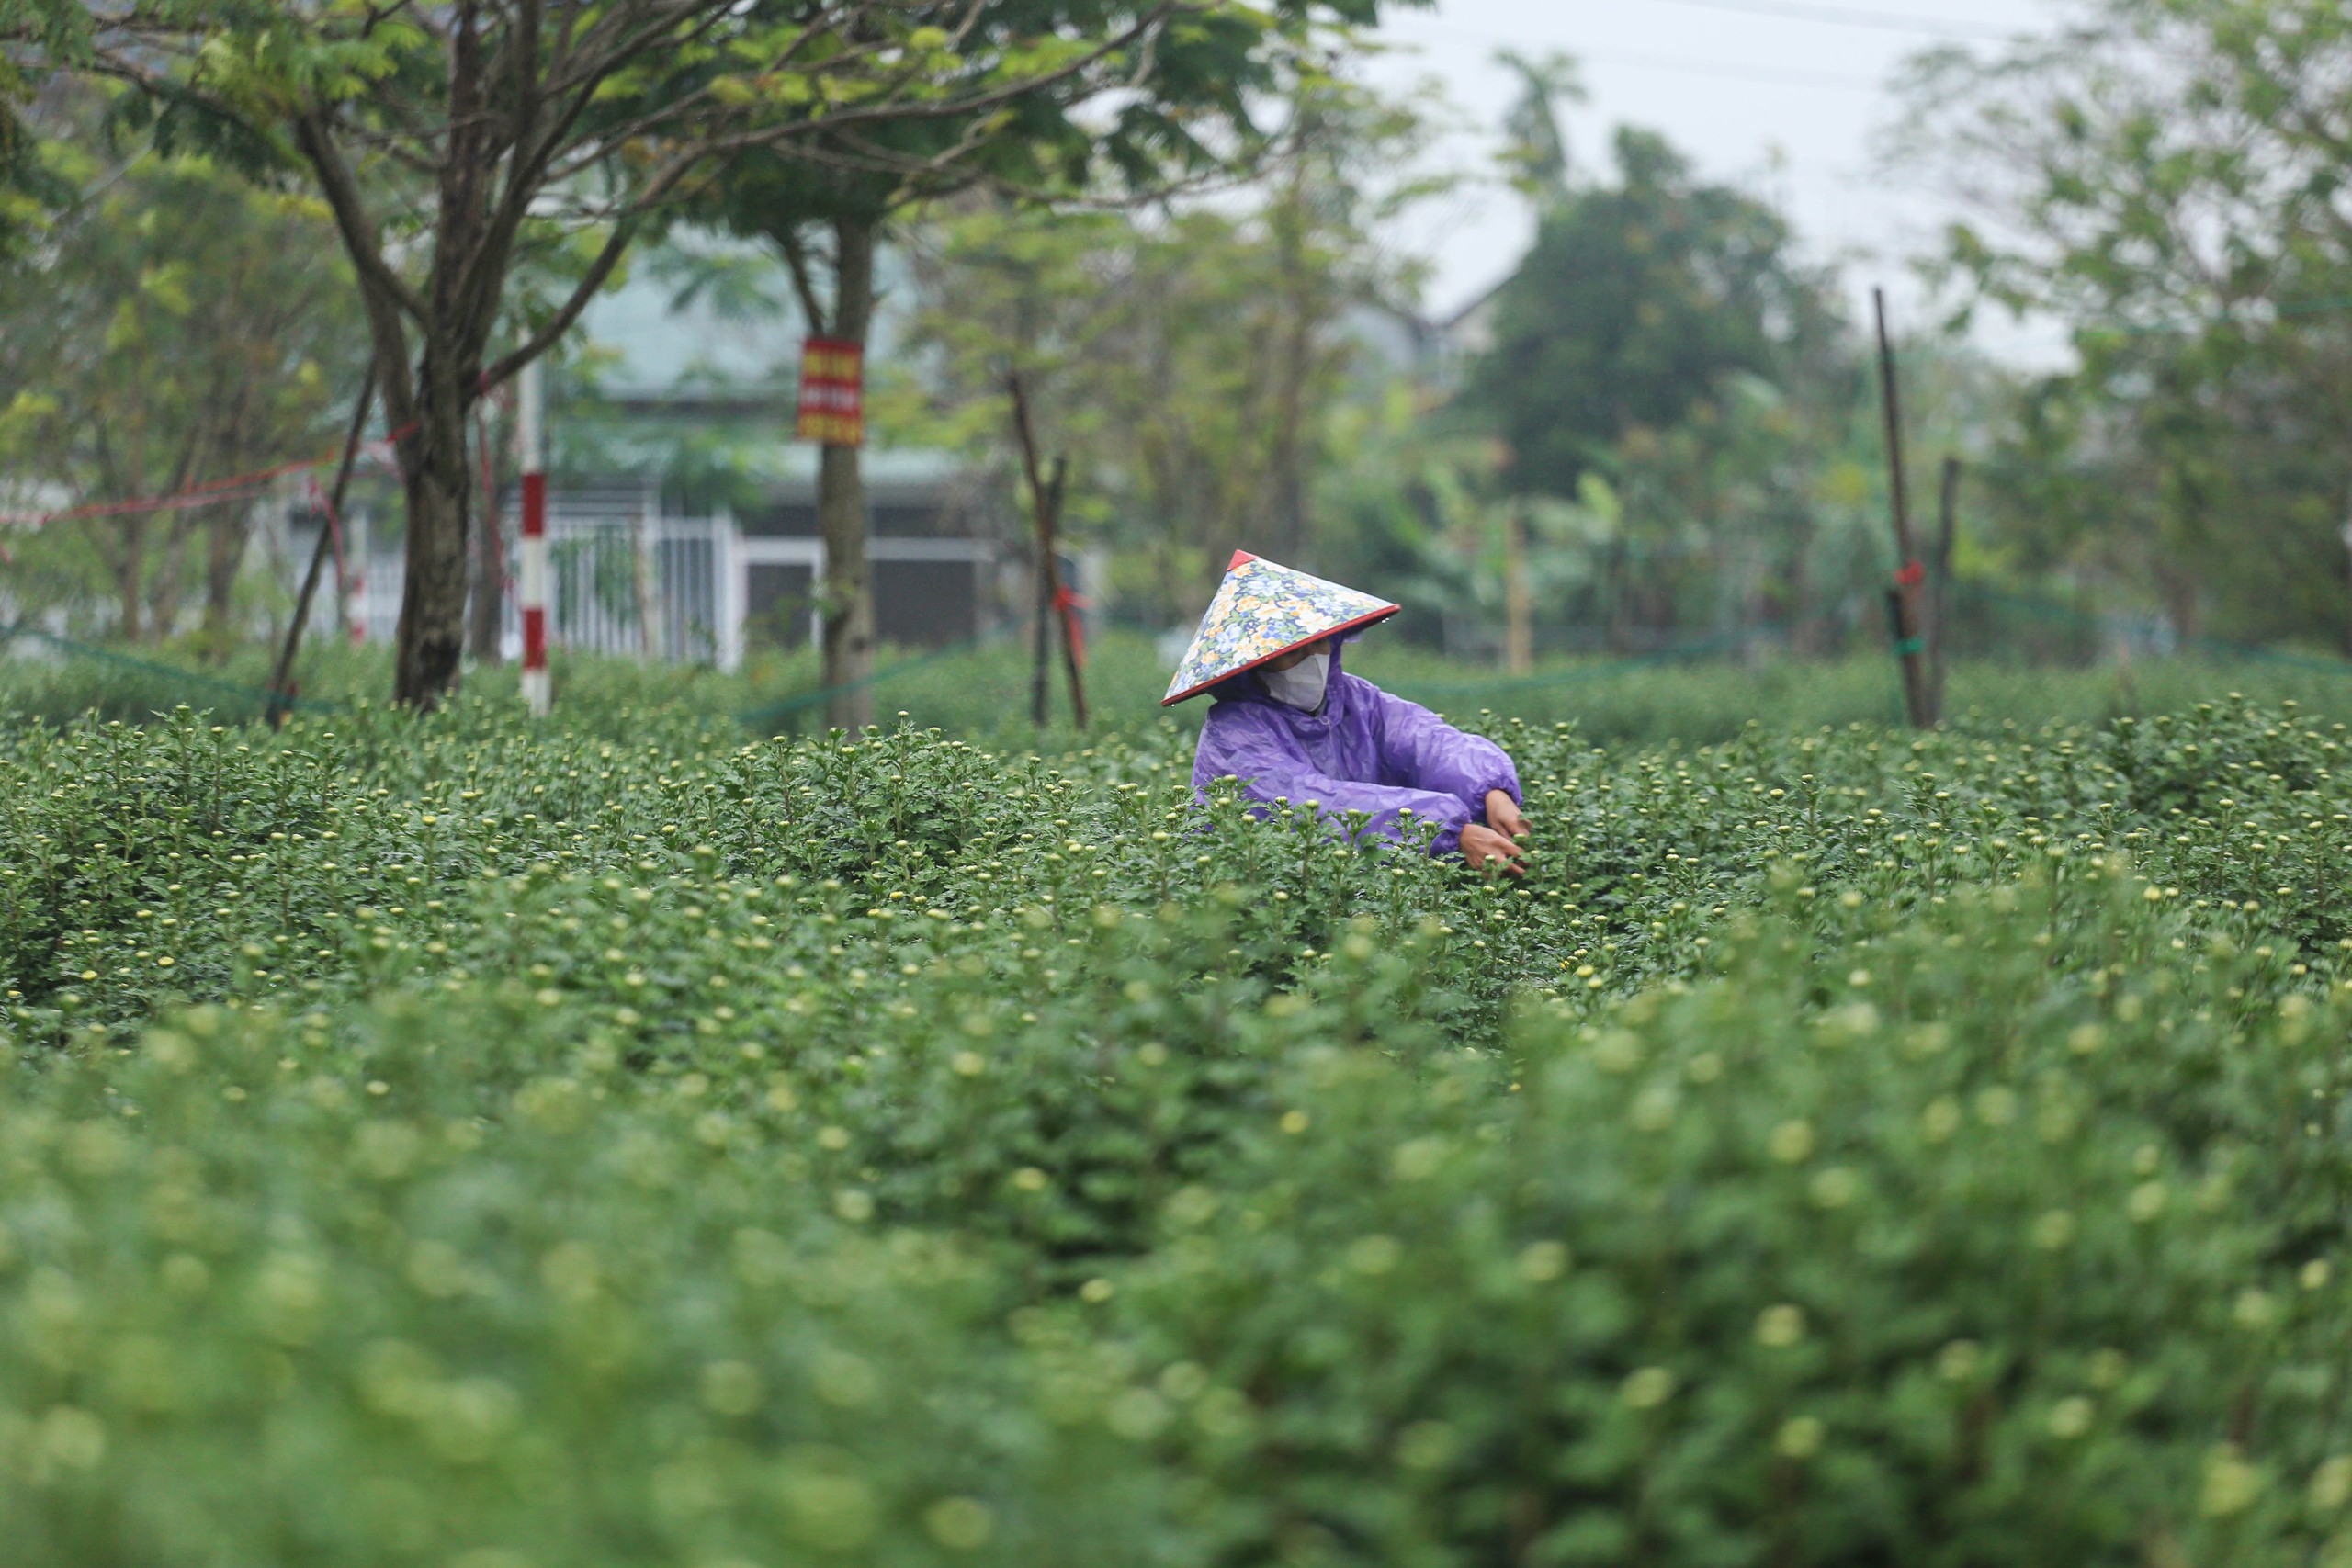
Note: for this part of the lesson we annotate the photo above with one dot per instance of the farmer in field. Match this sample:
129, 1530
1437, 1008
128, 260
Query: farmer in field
1291, 726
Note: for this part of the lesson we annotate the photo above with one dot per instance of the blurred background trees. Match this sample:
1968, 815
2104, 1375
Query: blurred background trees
1659, 432
176, 326
1190, 361
2169, 180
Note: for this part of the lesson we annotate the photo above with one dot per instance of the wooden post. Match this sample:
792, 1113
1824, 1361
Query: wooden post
351, 578
1940, 601
281, 680
1041, 687
1068, 603
1041, 665
1053, 601
1910, 645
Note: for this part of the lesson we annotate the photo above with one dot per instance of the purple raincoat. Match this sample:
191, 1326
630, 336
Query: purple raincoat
1365, 751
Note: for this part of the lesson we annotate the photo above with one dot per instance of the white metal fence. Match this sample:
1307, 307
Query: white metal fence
625, 579
628, 579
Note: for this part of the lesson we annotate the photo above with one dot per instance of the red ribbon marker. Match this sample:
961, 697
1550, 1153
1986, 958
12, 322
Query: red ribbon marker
1070, 603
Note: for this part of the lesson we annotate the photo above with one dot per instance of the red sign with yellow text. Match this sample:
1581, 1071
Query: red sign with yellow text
832, 392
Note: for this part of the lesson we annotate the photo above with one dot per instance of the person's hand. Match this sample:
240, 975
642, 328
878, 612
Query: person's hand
1489, 851
1502, 815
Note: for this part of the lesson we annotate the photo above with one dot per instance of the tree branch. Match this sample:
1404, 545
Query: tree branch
350, 210
616, 245
797, 257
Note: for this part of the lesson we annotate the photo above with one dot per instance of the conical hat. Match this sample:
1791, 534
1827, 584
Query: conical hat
1262, 611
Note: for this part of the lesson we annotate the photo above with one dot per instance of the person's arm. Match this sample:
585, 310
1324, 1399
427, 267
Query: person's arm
1422, 751
1237, 743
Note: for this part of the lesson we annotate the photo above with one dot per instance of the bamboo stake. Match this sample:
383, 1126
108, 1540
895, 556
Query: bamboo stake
1939, 599
1045, 496
281, 688
1904, 599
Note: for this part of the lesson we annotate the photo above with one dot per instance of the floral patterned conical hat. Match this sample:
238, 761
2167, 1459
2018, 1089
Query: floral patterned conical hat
1262, 611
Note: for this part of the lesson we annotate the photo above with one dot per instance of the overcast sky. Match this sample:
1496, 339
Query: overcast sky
1786, 98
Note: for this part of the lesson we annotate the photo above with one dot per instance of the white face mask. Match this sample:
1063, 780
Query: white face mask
1301, 685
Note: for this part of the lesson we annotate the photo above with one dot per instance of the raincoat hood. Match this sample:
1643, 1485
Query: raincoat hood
1262, 611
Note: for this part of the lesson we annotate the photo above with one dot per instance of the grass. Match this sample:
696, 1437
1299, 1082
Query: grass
983, 692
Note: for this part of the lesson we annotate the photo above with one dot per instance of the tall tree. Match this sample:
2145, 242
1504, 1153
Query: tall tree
1535, 143
453, 140
2167, 179
1638, 302
826, 203
1346, 175
1189, 361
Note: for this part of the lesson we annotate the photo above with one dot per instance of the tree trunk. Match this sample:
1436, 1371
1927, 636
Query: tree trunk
454, 313
848, 596
431, 635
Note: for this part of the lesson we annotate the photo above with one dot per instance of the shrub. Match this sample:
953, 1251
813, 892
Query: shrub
422, 1287
425, 1139
1724, 1275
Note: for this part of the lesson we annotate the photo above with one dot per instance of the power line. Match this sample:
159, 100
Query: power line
1765, 74
1851, 17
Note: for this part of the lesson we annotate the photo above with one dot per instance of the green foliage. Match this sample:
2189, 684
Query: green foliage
461, 1140
178, 327
1936, 1272
981, 693
1682, 417
2161, 183
1638, 304
475, 1299
1535, 146
1194, 366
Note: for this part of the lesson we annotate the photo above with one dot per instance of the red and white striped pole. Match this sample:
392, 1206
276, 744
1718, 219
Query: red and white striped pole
530, 456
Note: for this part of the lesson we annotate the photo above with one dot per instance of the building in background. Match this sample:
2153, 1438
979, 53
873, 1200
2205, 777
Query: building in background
682, 518
943, 565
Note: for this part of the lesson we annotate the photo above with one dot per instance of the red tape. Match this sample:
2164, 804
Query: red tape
237, 487
1912, 574
1070, 603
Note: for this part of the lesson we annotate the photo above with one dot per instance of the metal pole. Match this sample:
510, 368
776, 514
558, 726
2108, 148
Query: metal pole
1910, 645
530, 456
